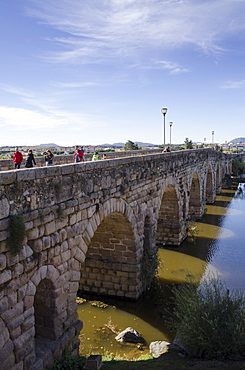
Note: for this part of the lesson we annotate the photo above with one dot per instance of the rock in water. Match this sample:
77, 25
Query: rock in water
129, 335
158, 348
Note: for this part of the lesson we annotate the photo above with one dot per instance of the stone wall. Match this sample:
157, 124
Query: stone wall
7, 164
86, 226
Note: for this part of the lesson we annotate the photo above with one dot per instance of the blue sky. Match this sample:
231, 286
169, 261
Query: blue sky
99, 71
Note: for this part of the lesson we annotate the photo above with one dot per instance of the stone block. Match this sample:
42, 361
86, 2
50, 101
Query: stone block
9, 362
4, 337
15, 333
46, 242
4, 208
13, 312
6, 275
15, 323
57, 250
18, 270
6, 351
12, 299
56, 261
93, 362
3, 235
80, 255
65, 256
12, 259
52, 273
63, 235
3, 261
25, 350
62, 268
7, 178
64, 278
32, 234
28, 323
36, 245
64, 246
28, 302
50, 228
72, 219
75, 275
73, 287
4, 224
55, 239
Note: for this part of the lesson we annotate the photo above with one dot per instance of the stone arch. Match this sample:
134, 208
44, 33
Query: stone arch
169, 224
113, 205
44, 303
55, 320
210, 193
195, 199
112, 263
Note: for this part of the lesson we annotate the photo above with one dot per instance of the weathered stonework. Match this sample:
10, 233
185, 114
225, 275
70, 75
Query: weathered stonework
86, 227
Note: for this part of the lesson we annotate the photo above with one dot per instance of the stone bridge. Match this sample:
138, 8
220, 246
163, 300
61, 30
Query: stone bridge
88, 226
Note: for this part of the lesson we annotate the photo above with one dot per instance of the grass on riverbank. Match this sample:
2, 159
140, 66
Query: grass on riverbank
171, 361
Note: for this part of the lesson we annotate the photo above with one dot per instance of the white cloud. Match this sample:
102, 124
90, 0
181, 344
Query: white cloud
15, 90
102, 31
20, 118
234, 84
24, 118
173, 67
74, 84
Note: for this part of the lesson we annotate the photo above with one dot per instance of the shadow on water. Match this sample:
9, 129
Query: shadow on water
217, 248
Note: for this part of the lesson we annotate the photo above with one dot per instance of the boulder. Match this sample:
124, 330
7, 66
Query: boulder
159, 347
129, 335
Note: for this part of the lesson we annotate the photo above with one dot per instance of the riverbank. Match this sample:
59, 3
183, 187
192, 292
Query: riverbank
171, 361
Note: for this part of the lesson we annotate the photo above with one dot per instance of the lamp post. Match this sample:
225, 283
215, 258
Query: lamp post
164, 111
212, 137
170, 127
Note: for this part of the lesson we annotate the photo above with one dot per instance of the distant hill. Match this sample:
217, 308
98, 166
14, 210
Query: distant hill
238, 140
120, 145
145, 144
49, 144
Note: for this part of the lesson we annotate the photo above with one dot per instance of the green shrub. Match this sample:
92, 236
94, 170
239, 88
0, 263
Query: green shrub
149, 266
16, 233
238, 168
209, 320
69, 362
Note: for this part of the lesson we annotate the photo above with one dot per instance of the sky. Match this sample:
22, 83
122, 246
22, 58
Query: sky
91, 72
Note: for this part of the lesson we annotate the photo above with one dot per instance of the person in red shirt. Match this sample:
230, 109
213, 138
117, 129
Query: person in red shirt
17, 158
78, 155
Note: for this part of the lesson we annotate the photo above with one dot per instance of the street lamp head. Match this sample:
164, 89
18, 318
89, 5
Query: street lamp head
164, 110
171, 124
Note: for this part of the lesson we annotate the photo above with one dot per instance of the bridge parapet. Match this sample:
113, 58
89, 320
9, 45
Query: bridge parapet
7, 164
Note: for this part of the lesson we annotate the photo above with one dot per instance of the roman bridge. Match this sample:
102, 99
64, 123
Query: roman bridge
88, 226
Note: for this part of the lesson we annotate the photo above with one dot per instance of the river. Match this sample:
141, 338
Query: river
215, 247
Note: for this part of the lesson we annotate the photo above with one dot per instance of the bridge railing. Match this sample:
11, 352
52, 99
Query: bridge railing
7, 164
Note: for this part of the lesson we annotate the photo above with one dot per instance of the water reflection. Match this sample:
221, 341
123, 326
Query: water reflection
225, 250
218, 249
